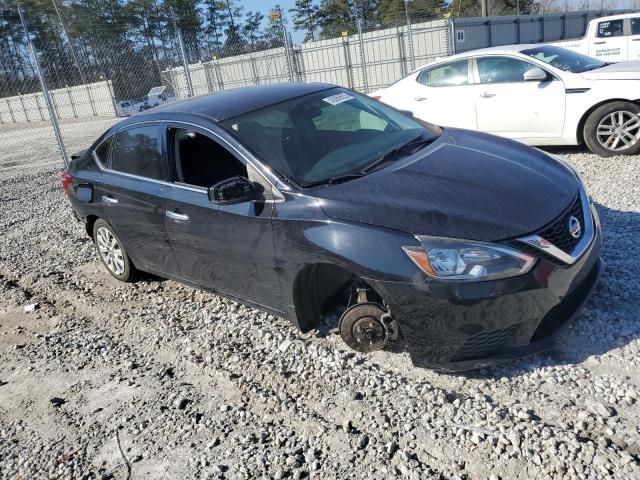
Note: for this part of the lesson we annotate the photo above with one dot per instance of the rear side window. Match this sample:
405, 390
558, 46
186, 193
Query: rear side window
102, 152
137, 151
611, 28
635, 26
449, 75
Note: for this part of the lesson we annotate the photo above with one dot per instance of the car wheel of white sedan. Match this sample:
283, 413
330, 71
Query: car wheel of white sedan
614, 129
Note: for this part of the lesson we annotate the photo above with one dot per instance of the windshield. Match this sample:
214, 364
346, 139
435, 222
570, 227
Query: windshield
325, 135
562, 59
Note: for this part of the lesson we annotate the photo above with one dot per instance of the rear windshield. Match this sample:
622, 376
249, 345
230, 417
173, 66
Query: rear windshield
565, 60
324, 135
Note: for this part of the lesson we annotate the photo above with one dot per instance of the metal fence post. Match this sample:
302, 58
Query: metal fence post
363, 60
45, 90
452, 36
347, 59
410, 37
73, 105
254, 70
403, 56
24, 109
183, 54
13, 117
35, 97
287, 53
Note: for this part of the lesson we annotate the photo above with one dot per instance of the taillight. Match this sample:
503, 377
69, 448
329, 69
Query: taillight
377, 97
65, 179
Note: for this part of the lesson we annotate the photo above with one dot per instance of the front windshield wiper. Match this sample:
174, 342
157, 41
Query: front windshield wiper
333, 180
410, 146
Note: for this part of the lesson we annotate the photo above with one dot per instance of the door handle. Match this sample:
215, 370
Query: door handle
420, 99
635, 39
598, 43
178, 217
109, 199
487, 95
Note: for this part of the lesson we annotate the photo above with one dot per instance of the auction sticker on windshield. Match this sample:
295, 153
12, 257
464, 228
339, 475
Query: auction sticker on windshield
336, 99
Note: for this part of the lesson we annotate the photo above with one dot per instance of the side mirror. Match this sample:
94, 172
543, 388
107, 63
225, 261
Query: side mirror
232, 190
535, 75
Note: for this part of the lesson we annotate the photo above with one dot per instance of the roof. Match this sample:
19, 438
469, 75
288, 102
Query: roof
226, 104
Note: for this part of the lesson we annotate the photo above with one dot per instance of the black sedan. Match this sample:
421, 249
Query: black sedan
461, 248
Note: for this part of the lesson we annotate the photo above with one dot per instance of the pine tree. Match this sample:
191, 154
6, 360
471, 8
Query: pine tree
305, 17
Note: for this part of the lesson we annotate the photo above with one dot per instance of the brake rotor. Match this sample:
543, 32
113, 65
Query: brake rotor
361, 327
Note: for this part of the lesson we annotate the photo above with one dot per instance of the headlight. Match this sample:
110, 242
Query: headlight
453, 259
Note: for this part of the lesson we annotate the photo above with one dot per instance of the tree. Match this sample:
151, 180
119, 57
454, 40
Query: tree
233, 29
251, 28
305, 17
216, 15
392, 12
335, 16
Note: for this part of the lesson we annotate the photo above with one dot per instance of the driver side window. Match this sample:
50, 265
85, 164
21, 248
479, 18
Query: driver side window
502, 69
200, 161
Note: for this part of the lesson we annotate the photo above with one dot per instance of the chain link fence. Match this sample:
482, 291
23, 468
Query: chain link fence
67, 76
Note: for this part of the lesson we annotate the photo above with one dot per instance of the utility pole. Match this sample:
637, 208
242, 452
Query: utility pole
483, 7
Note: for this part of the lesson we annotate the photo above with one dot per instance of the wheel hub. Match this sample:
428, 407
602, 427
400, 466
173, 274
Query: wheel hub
110, 251
619, 131
367, 327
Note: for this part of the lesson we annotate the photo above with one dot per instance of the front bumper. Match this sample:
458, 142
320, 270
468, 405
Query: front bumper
462, 326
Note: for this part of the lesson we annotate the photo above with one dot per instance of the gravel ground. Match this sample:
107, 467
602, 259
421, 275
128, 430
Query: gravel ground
158, 380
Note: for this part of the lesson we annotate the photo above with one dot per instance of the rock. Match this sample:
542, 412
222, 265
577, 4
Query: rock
284, 345
603, 410
181, 403
57, 401
30, 308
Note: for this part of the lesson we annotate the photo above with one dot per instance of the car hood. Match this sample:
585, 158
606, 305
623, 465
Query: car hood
464, 185
615, 71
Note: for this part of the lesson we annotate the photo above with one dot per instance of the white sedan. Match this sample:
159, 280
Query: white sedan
537, 94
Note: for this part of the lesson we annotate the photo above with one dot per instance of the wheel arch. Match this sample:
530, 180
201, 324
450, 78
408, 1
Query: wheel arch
585, 116
316, 286
89, 223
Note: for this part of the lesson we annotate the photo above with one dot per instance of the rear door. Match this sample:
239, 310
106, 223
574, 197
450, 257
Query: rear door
508, 105
443, 95
228, 248
130, 197
634, 39
609, 43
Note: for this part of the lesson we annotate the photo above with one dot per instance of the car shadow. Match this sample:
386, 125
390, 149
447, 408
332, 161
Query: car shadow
608, 319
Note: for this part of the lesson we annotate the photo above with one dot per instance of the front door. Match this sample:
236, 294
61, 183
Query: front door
228, 248
509, 106
609, 43
130, 194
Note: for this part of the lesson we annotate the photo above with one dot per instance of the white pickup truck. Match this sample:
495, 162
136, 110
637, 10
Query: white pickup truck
611, 39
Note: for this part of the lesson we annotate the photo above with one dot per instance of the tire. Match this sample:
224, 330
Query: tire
613, 129
111, 252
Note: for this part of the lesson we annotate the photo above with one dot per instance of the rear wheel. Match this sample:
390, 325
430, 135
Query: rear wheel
614, 129
111, 252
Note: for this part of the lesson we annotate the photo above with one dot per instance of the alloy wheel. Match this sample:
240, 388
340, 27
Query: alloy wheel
619, 130
110, 251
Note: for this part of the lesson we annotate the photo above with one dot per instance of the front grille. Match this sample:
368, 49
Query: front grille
558, 315
558, 231
482, 344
